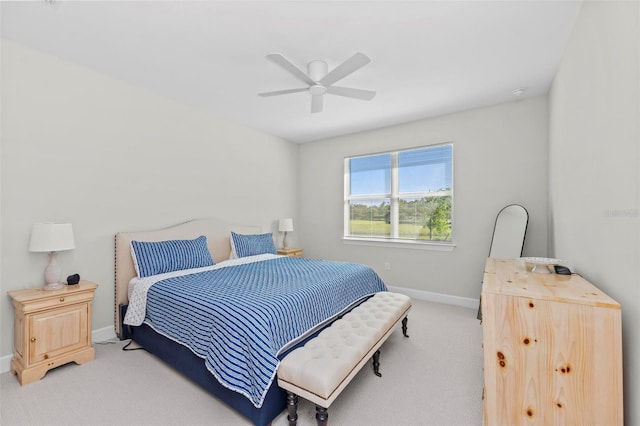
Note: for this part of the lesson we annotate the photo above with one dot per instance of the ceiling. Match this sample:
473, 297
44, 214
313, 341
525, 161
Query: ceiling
428, 58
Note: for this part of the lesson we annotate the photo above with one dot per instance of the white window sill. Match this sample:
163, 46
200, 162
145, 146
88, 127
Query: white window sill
420, 245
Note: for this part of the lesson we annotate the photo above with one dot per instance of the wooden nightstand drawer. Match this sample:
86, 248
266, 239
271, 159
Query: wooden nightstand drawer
46, 301
291, 252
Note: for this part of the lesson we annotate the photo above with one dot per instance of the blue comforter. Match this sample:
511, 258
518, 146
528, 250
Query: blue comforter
238, 318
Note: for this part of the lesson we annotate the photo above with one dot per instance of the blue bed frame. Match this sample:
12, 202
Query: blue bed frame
186, 362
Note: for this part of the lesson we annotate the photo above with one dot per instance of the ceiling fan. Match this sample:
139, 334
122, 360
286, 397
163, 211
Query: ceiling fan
320, 81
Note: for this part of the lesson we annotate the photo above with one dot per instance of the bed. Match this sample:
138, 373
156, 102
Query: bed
226, 323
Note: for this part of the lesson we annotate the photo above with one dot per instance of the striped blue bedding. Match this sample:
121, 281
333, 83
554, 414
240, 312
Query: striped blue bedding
239, 318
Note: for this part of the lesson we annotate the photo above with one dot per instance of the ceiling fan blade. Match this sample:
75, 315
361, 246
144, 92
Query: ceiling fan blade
365, 95
352, 64
286, 64
316, 103
282, 92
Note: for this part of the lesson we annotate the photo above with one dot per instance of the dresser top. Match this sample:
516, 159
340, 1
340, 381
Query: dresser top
512, 277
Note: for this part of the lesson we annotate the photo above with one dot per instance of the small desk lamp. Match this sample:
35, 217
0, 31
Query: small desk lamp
285, 225
52, 238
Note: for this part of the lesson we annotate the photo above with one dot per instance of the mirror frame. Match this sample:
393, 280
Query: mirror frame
524, 234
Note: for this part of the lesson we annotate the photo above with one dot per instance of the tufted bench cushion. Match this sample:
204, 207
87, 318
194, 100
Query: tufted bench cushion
322, 368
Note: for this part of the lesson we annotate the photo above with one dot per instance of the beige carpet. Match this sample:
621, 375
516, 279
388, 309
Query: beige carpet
432, 378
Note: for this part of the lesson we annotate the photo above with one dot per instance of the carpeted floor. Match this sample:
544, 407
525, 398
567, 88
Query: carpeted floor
432, 378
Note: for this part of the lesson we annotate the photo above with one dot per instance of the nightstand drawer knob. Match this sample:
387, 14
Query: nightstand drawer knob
33, 339
62, 299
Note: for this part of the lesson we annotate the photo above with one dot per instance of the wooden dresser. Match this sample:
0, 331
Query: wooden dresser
51, 328
552, 349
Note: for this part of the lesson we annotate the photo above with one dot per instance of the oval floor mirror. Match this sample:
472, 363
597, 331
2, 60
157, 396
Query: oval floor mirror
509, 232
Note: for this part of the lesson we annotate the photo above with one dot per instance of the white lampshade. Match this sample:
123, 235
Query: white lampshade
285, 225
51, 237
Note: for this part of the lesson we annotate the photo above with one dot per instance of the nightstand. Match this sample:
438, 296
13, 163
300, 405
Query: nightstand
51, 328
291, 252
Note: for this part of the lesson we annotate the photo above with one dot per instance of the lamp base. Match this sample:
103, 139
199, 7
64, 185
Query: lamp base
53, 286
52, 274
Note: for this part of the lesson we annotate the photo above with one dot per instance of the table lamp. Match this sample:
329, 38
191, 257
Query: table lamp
285, 225
52, 238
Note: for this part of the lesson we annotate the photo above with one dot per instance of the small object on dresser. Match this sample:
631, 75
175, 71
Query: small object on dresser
73, 279
562, 270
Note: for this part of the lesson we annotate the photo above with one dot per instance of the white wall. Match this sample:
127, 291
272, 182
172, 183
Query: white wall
81, 147
500, 156
594, 187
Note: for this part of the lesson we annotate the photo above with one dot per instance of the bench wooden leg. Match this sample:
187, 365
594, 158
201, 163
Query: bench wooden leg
404, 326
322, 415
292, 408
376, 363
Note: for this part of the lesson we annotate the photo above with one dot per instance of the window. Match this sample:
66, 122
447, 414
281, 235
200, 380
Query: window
400, 196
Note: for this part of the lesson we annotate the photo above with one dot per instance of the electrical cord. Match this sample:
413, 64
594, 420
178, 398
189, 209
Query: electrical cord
126, 347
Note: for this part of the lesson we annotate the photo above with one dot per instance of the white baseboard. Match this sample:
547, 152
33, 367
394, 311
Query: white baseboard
465, 302
98, 335
5, 363
102, 334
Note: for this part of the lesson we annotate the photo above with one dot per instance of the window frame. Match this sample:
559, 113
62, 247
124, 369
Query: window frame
394, 197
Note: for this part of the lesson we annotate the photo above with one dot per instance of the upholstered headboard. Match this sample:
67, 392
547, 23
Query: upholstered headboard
217, 234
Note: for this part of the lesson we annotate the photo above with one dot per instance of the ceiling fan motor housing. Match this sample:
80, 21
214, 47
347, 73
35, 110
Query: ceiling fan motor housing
317, 70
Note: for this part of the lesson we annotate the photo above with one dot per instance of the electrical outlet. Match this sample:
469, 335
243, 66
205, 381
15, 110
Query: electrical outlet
387, 266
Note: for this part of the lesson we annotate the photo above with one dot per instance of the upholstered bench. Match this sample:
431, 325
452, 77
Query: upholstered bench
324, 366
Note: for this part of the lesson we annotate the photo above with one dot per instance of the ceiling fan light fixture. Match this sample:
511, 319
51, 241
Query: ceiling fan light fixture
317, 89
